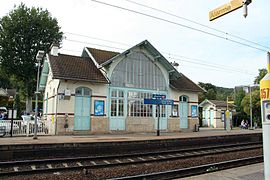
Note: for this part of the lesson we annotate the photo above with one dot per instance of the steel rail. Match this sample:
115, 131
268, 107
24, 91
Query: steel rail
194, 153
196, 170
55, 160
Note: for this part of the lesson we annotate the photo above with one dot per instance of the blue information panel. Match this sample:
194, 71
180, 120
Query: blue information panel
159, 96
158, 101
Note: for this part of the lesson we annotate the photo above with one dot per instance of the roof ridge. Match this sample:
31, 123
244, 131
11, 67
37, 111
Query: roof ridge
103, 50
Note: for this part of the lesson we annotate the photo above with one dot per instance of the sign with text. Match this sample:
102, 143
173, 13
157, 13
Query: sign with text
159, 101
225, 9
159, 96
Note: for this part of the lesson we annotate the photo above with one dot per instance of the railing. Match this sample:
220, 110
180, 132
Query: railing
22, 128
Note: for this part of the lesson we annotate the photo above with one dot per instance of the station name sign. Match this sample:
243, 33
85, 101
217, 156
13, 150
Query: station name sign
225, 9
159, 101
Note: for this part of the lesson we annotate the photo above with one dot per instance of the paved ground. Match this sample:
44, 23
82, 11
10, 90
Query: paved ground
250, 172
120, 137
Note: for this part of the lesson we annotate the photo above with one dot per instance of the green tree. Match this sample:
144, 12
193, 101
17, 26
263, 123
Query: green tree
262, 73
211, 92
23, 32
239, 95
256, 106
4, 80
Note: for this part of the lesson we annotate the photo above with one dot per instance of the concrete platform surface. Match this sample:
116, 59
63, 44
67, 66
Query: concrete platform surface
116, 137
250, 172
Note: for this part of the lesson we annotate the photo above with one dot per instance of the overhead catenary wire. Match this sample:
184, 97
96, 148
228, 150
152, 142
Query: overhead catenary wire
179, 24
170, 55
197, 23
182, 59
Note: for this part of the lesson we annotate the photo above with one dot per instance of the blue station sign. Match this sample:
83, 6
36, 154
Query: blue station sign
159, 96
159, 101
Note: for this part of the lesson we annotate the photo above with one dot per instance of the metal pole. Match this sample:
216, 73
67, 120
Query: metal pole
265, 100
11, 123
158, 133
250, 102
36, 104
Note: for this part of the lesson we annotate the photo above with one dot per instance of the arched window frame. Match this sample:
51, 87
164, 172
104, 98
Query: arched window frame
137, 70
83, 90
183, 98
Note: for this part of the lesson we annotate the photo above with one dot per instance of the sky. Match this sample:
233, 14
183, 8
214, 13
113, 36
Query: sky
227, 54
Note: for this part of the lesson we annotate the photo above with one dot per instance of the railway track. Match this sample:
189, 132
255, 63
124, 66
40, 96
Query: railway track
191, 171
15, 168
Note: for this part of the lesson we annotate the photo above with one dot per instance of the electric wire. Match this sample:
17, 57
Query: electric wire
163, 52
205, 65
197, 23
179, 24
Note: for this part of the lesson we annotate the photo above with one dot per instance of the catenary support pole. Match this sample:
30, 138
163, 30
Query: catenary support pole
265, 106
158, 110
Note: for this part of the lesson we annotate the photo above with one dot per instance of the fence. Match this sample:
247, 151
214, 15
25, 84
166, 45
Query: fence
22, 128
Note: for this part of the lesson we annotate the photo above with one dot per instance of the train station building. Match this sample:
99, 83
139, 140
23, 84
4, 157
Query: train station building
103, 92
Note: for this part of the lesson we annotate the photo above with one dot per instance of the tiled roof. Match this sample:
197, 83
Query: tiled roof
220, 103
102, 56
185, 84
75, 68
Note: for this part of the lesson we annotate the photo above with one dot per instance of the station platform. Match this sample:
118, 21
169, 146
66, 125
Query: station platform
117, 137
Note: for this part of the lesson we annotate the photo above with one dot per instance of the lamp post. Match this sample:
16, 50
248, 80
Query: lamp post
250, 104
39, 57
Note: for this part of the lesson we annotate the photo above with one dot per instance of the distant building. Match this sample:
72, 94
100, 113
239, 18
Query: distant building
103, 91
213, 112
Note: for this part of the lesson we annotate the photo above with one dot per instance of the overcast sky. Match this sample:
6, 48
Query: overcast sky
201, 57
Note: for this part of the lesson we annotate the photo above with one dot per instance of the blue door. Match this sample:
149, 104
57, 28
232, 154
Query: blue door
183, 112
211, 117
82, 109
206, 117
117, 110
163, 123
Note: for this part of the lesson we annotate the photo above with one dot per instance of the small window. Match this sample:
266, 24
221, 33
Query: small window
183, 99
86, 92
79, 91
175, 110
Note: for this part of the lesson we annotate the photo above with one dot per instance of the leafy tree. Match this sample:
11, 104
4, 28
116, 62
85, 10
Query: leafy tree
262, 73
239, 95
23, 32
256, 106
4, 80
211, 91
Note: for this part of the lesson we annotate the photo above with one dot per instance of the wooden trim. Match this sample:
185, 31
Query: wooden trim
72, 114
99, 96
193, 102
93, 115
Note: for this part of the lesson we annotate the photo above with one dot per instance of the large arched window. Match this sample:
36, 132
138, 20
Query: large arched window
138, 71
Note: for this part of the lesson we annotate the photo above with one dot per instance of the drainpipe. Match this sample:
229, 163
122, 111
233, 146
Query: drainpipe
56, 108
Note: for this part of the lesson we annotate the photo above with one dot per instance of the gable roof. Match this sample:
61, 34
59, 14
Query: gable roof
154, 53
101, 56
177, 80
217, 103
7, 92
184, 84
75, 68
